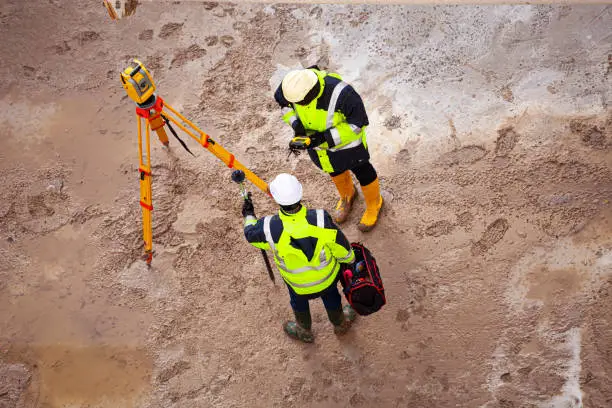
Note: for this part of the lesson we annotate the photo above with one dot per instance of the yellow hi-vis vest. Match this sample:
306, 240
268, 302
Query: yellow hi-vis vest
345, 135
303, 275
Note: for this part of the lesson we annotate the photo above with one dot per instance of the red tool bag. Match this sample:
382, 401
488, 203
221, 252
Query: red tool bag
363, 287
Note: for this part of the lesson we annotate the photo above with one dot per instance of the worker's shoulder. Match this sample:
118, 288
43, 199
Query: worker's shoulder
347, 94
280, 97
275, 225
312, 216
274, 218
331, 80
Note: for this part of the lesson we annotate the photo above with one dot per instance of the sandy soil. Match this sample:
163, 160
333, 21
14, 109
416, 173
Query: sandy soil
493, 140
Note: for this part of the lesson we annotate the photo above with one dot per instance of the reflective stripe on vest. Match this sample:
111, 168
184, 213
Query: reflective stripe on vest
320, 219
297, 271
346, 258
268, 233
331, 109
355, 129
348, 146
335, 136
320, 281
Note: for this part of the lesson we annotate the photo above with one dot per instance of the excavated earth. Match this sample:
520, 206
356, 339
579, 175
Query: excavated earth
491, 130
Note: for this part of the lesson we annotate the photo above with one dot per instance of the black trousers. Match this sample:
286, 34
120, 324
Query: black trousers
356, 160
365, 173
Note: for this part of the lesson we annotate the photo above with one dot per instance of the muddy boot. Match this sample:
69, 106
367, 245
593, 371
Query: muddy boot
300, 329
374, 203
342, 319
347, 192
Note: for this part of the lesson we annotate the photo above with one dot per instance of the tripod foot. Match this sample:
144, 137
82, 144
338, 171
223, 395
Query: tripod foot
148, 258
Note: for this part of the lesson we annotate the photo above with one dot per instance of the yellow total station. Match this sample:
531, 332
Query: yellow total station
139, 86
151, 108
137, 82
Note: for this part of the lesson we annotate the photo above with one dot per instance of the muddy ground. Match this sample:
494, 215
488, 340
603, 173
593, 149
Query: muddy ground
492, 134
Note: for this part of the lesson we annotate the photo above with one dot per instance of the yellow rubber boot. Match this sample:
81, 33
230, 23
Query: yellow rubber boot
347, 192
374, 202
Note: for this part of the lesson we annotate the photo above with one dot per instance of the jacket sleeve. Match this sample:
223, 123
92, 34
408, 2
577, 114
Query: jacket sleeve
351, 106
340, 248
289, 115
254, 232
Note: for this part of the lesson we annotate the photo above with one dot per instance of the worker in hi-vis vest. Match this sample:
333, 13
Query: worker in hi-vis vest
309, 251
328, 111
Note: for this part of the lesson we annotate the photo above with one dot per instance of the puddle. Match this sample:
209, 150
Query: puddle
105, 376
82, 343
548, 283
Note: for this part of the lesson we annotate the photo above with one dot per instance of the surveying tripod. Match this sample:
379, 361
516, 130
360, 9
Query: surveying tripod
140, 87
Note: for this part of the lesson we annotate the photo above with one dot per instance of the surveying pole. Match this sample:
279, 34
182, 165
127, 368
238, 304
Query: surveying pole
157, 114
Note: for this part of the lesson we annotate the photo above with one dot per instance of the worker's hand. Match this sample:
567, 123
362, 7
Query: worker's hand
316, 139
298, 128
247, 207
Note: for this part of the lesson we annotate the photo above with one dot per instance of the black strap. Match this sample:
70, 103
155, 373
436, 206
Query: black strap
175, 135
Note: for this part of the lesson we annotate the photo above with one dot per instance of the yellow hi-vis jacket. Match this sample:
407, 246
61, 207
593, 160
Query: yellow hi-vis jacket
308, 247
337, 112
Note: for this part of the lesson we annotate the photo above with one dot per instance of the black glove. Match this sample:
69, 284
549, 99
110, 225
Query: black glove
298, 128
247, 207
316, 139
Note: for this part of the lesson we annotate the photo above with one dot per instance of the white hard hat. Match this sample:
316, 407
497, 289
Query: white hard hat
297, 84
286, 189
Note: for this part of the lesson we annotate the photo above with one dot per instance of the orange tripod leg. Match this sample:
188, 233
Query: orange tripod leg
216, 149
146, 202
154, 121
157, 124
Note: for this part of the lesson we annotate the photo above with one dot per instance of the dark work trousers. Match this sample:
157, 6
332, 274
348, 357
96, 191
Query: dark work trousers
356, 160
364, 172
331, 299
